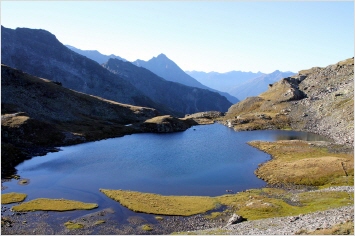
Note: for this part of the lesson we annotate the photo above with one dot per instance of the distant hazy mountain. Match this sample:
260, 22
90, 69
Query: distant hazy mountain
237, 83
182, 98
94, 55
253, 87
39, 53
169, 70
223, 81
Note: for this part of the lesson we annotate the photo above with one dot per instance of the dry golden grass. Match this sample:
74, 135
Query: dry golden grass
45, 204
297, 162
72, 225
13, 121
159, 119
252, 204
161, 205
8, 198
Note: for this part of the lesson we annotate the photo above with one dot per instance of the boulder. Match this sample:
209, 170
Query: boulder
235, 219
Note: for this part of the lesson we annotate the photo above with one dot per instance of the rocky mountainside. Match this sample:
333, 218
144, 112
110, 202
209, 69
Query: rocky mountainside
39, 53
255, 86
184, 99
94, 55
39, 113
169, 70
318, 100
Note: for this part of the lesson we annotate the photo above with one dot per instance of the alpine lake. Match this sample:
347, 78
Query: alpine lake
205, 160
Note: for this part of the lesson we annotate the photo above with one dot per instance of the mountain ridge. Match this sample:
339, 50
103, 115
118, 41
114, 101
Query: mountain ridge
94, 55
38, 52
238, 83
166, 68
168, 92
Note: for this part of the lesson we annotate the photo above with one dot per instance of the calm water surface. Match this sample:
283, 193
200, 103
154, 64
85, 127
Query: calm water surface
203, 160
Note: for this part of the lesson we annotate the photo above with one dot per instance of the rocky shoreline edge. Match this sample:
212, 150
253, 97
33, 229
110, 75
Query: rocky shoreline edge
38, 222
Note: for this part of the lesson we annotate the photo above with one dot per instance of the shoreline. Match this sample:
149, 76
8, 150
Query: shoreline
166, 226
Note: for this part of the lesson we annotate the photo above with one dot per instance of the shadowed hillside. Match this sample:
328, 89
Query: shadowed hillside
184, 99
38, 114
39, 53
169, 70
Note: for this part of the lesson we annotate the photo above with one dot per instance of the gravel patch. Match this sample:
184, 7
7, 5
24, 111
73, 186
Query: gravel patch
288, 225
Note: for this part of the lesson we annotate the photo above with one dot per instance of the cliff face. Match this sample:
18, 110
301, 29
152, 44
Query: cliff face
318, 100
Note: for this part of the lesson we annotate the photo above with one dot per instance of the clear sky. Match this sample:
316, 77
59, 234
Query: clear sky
205, 36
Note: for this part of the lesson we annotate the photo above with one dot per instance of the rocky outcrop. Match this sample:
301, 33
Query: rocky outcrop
207, 117
318, 100
166, 124
235, 219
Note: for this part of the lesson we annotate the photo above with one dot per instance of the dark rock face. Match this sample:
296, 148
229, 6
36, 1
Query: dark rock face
39, 53
182, 98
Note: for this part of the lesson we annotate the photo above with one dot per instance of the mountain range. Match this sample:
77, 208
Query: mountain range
182, 98
38, 52
160, 65
255, 86
238, 83
94, 55
169, 70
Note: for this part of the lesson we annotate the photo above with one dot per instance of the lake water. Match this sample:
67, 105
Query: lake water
203, 160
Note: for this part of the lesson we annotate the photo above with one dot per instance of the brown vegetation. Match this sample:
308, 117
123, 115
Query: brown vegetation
299, 162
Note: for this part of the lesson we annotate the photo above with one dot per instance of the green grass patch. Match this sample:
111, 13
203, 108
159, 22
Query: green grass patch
72, 225
45, 204
161, 205
255, 204
252, 204
147, 228
8, 198
297, 162
99, 222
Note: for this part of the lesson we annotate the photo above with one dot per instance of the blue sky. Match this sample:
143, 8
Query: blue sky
205, 36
